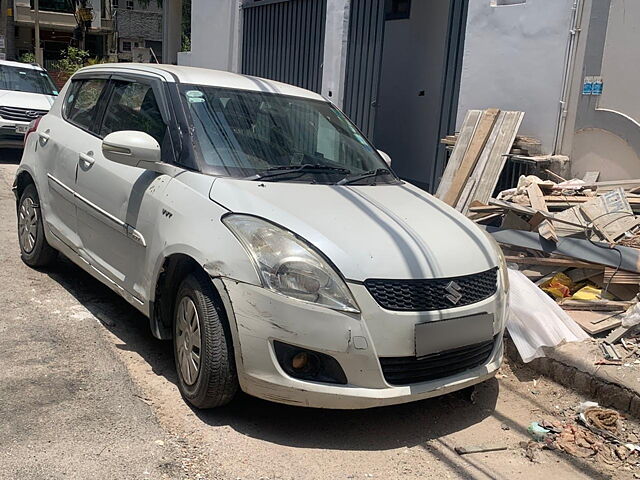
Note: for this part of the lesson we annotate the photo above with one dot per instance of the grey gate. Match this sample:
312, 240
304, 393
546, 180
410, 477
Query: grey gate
283, 40
364, 54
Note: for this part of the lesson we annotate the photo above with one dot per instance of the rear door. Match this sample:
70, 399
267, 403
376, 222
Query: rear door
60, 138
119, 204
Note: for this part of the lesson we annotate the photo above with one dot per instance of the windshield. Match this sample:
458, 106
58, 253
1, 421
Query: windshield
261, 135
26, 80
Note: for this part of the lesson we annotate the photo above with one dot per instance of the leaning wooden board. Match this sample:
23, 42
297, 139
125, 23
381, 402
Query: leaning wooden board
477, 144
488, 171
466, 134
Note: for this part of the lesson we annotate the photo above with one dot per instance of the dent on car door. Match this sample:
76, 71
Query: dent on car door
118, 206
58, 143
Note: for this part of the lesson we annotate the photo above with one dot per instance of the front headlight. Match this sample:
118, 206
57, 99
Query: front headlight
288, 265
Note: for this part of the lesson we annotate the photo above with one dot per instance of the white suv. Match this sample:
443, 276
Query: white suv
256, 226
26, 93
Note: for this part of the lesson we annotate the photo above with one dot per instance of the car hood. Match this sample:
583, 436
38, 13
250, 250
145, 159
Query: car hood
37, 101
381, 231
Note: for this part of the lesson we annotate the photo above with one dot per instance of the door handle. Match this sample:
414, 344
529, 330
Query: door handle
87, 158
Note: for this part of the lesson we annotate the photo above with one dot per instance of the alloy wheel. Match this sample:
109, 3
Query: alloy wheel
27, 225
188, 342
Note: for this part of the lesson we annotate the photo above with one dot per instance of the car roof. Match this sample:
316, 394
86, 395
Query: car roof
208, 77
28, 66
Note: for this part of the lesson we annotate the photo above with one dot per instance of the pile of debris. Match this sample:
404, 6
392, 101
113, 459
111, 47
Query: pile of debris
597, 433
578, 240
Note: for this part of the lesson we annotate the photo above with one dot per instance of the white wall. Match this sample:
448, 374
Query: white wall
621, 60
603, 132
514, 59
215, 34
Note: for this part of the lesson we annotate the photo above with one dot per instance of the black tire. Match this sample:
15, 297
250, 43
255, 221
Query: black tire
35, 252
216, 381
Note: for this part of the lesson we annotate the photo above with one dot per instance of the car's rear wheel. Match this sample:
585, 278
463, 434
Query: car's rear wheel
202, 345
34, 248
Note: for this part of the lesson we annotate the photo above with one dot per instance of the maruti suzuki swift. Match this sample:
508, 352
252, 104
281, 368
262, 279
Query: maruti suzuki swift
260, 231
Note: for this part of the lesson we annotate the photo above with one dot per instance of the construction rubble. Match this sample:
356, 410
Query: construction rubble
574, 241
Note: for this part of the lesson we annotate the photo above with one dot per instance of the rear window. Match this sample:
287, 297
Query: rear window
26, 80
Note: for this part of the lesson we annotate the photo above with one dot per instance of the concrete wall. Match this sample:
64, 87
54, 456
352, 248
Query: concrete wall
410, 92
514, 59
604, 132
215, 39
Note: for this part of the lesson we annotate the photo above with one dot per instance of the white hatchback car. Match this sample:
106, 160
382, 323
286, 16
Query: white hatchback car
26, 93
255, 226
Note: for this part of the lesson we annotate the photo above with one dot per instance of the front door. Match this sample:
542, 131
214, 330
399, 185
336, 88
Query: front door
117, 203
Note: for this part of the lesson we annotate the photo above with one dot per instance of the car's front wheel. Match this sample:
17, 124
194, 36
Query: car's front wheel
34, 248
202, 345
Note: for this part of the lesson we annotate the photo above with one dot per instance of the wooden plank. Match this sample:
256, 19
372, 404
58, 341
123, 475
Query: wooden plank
552, 261
488, 178
480, 137
595, 305
618, 334
462, 143
595, 322
620, 277
481, 164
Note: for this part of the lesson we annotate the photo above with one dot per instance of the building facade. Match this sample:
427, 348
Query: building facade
407, 71
138, 25
57, 24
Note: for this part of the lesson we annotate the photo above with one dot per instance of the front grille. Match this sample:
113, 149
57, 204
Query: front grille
432, 294
18, 114
408, 370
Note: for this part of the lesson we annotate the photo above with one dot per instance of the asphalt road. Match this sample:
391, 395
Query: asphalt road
86, 392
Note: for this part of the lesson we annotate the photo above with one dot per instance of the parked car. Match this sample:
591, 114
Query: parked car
26, 93
259, 229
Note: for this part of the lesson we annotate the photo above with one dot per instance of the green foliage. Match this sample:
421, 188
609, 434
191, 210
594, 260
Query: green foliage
186, 43
71, 60
28, 57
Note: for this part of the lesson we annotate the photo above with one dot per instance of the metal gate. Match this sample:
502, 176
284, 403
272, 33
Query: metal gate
283, 40
364, 55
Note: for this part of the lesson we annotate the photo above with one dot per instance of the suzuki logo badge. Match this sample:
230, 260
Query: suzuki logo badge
454, 294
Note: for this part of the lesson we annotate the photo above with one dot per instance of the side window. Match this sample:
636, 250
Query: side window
133, 106
81, 103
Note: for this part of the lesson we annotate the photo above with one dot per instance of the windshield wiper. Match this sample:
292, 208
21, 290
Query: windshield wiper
306, 168
370, 174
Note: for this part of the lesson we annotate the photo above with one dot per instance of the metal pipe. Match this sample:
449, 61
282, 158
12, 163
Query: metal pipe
570, 60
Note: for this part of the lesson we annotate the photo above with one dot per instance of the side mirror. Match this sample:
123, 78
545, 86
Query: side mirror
385, 157
133, 148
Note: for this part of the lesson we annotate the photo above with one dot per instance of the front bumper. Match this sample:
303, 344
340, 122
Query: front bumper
356, 341
8, 135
